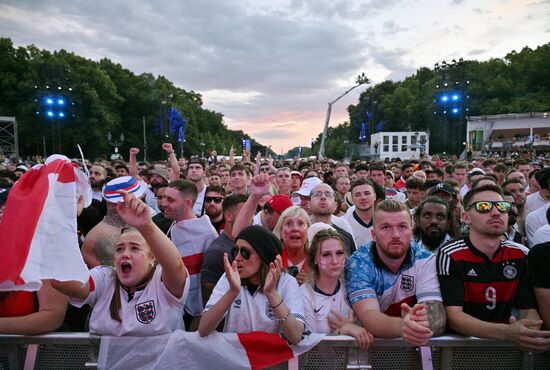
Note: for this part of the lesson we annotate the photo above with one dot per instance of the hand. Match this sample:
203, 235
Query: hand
232, 274
272, 277
301, 277
134, 152
133, 211
259, 184
363, 337
258, 157
336, 321
231, 151
168, 148
527, 338
415, 332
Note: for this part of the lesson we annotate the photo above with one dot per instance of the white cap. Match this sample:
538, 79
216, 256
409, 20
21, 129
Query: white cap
307, 185
315, 228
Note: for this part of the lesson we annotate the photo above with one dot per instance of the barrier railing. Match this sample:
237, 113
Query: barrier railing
80, 350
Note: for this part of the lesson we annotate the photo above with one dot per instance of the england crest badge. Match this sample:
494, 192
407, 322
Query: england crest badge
407, 283
145, 312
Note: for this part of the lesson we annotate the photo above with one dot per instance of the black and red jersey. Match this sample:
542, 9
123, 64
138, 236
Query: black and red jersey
486, 288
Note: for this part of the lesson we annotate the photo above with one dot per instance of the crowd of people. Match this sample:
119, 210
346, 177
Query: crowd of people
411, 249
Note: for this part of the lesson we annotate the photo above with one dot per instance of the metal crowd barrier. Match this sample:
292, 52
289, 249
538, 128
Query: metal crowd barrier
80, 351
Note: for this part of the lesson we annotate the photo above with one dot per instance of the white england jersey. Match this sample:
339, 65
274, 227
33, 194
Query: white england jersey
250, 313
151, 311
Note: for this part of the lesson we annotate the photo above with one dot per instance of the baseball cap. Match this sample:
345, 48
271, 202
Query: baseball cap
128, 183
477, 171
279, 203
197, 160
315, 228
297, 174
444, 187
307, 185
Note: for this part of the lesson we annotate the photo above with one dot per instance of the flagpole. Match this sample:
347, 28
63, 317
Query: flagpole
361, 80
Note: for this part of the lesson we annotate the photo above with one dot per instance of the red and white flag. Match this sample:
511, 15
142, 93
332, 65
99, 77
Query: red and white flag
38, 233
187, 350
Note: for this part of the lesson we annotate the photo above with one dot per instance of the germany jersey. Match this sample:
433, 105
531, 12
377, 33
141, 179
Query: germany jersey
487, 289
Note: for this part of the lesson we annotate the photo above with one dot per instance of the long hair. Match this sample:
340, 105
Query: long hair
114, 306
315, 247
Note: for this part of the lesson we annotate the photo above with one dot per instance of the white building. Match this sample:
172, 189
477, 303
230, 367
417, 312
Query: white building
508, 132
405, 145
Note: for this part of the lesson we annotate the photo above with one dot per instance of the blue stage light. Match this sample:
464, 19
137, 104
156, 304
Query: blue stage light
50, 113
455, 97
444, 98
455, 110
61, 114
60, 101
49, 101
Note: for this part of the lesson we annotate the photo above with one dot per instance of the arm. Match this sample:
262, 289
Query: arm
136, 213
175, 174
517, 331
231, 156
543, 299
291, 328
258, 163
132, 163
52, 307
259, 185
437, 318
346, 326
210, 319
412, 326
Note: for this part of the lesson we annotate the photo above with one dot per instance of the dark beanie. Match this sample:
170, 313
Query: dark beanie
263, 241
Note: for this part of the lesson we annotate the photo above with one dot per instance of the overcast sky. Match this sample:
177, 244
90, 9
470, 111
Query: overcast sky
271, 67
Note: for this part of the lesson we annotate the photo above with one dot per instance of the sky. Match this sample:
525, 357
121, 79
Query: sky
271, 67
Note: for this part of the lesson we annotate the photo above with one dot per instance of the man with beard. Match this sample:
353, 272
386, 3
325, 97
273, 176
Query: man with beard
98, 177
392, 282
484, 277
432, 219
323, 205
213, 206
512, 232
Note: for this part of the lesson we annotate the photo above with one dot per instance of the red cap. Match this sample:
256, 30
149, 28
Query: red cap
279, 203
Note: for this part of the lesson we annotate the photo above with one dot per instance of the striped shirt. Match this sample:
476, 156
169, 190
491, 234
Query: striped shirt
487, 288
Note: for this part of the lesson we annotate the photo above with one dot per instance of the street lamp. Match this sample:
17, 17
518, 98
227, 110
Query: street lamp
115, 145
360, 80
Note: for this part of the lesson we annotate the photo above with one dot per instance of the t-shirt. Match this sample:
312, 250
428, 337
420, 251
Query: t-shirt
361, 230
534, 221
487, 289
198, 207
534, 201
18, 303
252, 312
368, 277
542, 235
192, 238
212, 263
318, 306
539, 260
152, 310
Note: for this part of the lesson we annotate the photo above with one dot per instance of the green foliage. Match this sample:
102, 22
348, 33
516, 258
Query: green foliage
107, 98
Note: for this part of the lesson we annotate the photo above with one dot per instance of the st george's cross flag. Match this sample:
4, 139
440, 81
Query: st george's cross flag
38, 232
190, 351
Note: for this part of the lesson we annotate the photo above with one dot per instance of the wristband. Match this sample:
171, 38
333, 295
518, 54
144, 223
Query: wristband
277, 305
284, 318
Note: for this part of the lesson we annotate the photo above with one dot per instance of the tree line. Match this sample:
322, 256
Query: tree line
517, 83
98, 98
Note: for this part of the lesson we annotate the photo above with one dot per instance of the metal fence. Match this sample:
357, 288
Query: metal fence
80, 350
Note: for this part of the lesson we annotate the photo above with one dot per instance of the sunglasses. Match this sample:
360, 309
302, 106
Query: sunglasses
245, 253
264, 169
487, 206
319, 194
216, 200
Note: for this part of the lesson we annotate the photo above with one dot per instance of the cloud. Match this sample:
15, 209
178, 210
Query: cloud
476, 52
